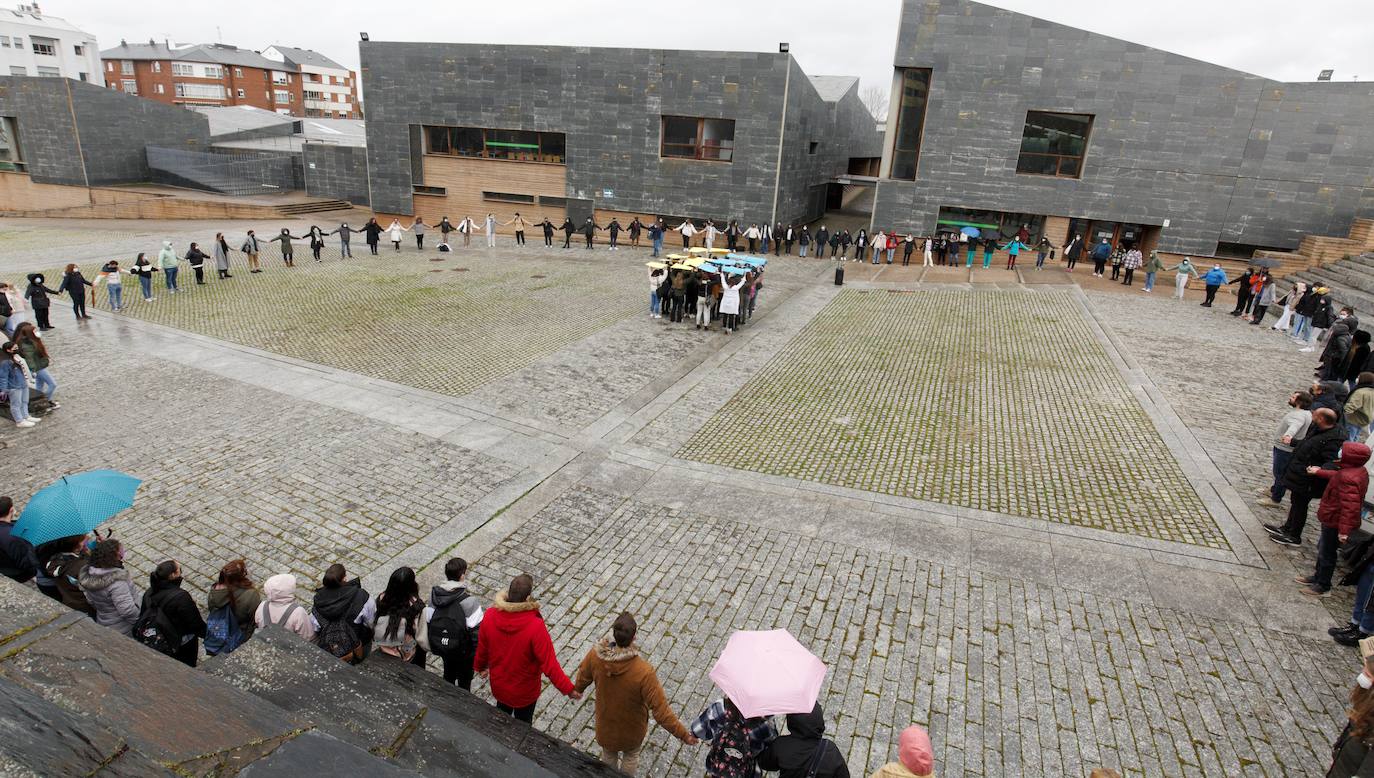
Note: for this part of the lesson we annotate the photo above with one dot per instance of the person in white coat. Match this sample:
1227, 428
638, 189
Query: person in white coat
752, 235
395, 231
729, 301
490, 225
710, 234
688, 230
927, 244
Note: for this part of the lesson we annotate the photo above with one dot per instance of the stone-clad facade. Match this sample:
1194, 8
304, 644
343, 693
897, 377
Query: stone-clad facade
78, 134
1225, 156
609, 104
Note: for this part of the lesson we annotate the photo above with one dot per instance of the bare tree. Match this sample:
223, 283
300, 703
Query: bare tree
875, 99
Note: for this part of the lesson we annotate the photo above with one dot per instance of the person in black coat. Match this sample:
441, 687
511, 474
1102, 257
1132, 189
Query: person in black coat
1242, 291
589, 228
74, 284
37, 295
165, 594
547, 226
341, 599
373, 232
197, 259
1321, 445
1331, 365
803, 747
568, 231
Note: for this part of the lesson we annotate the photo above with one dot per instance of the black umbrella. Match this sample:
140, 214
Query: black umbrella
1265, 262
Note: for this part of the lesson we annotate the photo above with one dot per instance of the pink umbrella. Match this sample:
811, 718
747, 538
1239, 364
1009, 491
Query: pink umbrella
768, 673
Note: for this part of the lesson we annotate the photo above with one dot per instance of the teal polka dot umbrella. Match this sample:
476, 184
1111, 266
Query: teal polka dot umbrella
75, 505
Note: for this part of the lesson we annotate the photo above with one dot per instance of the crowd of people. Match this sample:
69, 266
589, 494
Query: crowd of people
506, 642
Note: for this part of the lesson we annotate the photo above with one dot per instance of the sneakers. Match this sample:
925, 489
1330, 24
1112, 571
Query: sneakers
1351, 639
1284, 540
1268, 502
25, 424
1275, 529
1305, 350
33, 419
54, 405
1348, 629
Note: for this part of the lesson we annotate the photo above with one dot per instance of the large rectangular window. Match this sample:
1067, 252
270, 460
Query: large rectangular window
911, 121
512, 145
1054, 144
693, 138
130, 86
10, 156
45, 46
200, 91
507, 197
183, 69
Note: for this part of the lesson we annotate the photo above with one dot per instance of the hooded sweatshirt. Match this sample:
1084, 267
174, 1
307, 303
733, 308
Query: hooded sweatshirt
627, 693
1345, 489
449, 592
112, 593
915, 755
166, 258
349, 602
280, 594
515, 646
792, 754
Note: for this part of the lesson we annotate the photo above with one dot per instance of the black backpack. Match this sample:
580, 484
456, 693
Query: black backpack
449, 635
340, 639
154, 630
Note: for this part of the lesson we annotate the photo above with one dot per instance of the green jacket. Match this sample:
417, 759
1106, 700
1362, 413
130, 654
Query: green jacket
1359, 408
1185, 267
1153, 265
166, 258
29, 352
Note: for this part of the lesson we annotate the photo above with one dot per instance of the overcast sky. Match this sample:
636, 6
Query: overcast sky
1276, 38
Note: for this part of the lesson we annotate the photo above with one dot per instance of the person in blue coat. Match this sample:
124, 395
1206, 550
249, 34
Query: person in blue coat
1215, 279
1101, 253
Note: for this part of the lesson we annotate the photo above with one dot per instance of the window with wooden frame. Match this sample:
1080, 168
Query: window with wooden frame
510, 145
686, 137
1054, 144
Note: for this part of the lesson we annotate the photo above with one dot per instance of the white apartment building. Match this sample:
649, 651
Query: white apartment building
328, 89
35, 44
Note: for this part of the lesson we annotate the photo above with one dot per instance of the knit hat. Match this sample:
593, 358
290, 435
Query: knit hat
914, 751
106, 554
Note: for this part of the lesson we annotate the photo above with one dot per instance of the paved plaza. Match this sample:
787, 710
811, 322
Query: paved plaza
1007, 508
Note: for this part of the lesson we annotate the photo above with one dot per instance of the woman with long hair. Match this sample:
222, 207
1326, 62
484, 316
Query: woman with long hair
233, 588
14, 380
109, 588
399, 631
144, 270
35, 355
178, 611
1353, 754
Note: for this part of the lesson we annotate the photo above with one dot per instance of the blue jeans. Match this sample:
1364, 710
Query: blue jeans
1040, 259
987, 259
765, 244
171, 274
19, 402
1354, 433
658, 245
1149, 282
890, 252
1281, 459
43, 382
802, 253
1362, 592
117, 296
1301, 324
1328, 543
147, 283
653, 303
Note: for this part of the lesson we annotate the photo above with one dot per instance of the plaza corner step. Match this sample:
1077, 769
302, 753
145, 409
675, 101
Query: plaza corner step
314, 206
275, 706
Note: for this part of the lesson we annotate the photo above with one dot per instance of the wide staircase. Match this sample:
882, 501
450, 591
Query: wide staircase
313, 206
1343, 265
80, 699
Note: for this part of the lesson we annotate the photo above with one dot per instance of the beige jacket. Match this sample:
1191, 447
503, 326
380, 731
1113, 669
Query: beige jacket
898, 770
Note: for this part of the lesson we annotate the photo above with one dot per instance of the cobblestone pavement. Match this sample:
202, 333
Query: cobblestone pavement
998, 401
1229, 382
232, 470
1031, 648
1011, 676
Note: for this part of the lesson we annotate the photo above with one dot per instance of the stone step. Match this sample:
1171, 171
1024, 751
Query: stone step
399, 711
1357, 278
1362, 302
81, 699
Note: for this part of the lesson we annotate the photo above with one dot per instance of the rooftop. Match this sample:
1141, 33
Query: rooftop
305, 57
832, 88
30, 14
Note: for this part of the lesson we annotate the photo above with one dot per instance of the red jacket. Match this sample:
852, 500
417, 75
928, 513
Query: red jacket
1345, 488
515, 645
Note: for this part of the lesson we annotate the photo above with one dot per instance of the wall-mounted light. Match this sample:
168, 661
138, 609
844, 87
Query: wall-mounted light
783, 48
363, 35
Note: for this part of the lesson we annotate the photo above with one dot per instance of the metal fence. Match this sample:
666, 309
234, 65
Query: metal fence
237, 173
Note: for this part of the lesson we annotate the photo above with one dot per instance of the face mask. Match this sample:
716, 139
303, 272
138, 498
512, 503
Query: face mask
1364, 681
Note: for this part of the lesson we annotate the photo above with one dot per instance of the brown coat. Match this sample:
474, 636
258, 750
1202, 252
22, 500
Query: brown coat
627, 691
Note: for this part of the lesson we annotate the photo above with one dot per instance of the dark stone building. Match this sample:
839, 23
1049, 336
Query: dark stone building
1005, 119
466, 129
62, 131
